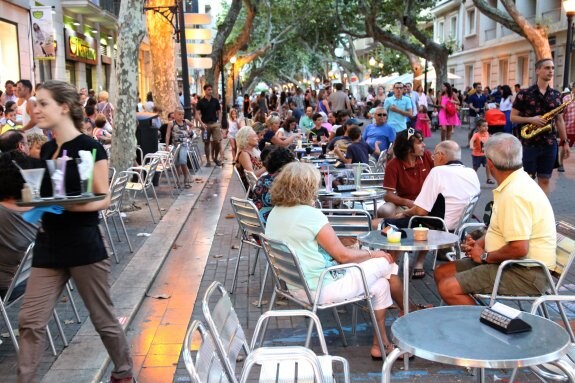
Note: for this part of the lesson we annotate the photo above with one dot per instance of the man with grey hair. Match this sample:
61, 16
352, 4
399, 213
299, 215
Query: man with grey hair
445, 193
522, 227
379, 131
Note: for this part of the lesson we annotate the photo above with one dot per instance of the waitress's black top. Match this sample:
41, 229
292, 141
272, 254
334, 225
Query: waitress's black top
71, 238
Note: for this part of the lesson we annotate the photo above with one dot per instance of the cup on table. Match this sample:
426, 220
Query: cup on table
394, 236
420, 233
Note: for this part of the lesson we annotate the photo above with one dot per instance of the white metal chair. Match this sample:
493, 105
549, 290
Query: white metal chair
20, 277
246, 189
251, 226
348, 222
165, 166
288, 277
116, 193
231, 341
206, 367
145, 175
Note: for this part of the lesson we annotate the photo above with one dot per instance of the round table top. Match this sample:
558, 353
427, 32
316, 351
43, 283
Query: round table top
376, 193
314, 149
436, 239
454, 335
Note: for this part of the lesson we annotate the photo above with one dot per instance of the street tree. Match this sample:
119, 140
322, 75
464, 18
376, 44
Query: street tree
160, 34
515, 21
131, 31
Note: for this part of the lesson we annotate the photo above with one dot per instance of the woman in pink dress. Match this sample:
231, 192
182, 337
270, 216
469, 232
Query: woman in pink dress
448, 114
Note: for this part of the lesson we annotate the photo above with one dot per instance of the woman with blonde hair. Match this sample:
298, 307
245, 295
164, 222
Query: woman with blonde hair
248, 157
271, 137
306, 229
105, 108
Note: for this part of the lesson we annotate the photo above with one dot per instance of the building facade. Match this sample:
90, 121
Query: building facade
84, 49
485, 51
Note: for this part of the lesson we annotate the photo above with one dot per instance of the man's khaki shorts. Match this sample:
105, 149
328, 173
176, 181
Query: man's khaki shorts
477, 278
214, 132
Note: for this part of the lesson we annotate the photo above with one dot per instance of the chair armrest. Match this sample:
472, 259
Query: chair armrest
550, 298
139, 175
288, 313
335, 268
470, 225
521, 262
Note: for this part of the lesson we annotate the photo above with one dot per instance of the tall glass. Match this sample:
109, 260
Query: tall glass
33, 177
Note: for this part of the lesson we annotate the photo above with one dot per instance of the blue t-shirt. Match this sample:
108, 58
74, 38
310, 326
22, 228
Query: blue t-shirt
359, 152
396, 120
383, 133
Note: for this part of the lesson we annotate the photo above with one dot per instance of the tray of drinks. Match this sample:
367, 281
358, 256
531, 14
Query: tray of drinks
62, 201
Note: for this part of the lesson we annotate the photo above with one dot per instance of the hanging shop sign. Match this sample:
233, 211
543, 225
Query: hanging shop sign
78, 49
43, 33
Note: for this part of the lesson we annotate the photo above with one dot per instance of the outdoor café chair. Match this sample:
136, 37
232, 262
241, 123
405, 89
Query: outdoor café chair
546, 371
114, 209
165, 166
10, 298
231, 340
144, 177
348, 222
565, 252
206, 367
246, 189
251, 226
288, 277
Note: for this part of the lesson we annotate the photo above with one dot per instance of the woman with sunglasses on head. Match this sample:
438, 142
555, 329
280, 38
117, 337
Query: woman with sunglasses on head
405, 173
70, 244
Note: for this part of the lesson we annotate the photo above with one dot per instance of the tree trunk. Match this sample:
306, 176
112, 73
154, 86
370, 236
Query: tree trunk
131, 31
164, 84
439, 59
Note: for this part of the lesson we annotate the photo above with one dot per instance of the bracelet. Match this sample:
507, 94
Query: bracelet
563, 142
370, 253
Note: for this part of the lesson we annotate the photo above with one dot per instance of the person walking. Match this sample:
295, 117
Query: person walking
70, 244
540, 151
209, 114
448, 112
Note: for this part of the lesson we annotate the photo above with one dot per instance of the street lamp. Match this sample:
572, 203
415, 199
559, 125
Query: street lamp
569, 6
233, 61
371, 64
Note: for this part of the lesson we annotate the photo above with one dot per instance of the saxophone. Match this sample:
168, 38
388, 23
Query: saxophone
531, 130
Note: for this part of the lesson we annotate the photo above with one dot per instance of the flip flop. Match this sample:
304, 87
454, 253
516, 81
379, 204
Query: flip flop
418, 273
388, 348
490, 182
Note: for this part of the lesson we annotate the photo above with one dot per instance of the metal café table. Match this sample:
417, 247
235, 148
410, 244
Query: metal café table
436, 240
374, 195
453, 335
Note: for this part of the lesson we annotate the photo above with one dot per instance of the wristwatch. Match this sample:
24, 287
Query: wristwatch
563, 142
484, 257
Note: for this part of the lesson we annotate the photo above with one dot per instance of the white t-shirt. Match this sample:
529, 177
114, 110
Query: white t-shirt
298, 226
506, 104
457, 183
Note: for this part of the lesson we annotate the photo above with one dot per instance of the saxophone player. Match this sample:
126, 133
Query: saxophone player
530, 106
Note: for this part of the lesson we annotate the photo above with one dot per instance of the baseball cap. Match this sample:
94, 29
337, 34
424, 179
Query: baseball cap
353, 121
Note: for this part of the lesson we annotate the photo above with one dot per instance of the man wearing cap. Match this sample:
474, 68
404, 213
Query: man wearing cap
398, 108
380, 131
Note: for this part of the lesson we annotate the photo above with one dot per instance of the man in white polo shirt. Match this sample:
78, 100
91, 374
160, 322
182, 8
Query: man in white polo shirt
445, 193
522, 227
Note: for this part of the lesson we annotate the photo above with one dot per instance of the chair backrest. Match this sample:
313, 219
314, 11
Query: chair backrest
565, 251
248, 216
22, 274
348, 222
252, 179
117, 191
372, 179
206, 367
467, 212
111, 174
225, 327
286, 269
150, 171
381, 162
237, 173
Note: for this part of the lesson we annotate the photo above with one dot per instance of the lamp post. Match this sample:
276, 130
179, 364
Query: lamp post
233, 62
569, 6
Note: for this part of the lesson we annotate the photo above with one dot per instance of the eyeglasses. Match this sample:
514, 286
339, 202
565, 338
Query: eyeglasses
381, 114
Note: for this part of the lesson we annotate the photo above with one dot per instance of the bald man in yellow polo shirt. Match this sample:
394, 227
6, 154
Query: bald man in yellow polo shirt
522, 227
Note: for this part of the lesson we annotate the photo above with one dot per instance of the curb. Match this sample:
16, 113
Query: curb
86, 359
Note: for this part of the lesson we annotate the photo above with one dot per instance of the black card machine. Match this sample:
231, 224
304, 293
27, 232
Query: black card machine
504, 319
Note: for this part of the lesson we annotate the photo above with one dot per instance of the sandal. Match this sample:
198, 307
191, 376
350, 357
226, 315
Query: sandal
187, 185
418, 273
388, 348
490, 182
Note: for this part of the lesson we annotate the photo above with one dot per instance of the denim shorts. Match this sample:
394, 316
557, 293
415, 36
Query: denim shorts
539, 160
478, 161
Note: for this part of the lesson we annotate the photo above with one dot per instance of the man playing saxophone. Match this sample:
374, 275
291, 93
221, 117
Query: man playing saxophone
530, 107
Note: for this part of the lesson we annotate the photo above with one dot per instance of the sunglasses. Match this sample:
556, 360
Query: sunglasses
410, 133
381, 114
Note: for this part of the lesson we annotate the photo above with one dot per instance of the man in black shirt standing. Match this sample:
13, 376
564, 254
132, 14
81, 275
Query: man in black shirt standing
540, 151
208, 114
